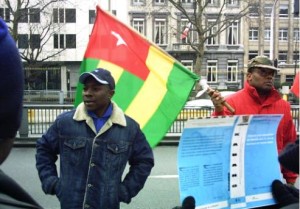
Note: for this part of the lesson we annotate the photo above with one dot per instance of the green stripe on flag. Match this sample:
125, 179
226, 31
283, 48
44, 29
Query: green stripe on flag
179, 87
127, 87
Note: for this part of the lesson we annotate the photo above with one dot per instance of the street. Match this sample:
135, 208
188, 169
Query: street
160, 192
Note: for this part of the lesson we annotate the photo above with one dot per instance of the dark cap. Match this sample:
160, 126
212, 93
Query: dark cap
101, 75
261, 62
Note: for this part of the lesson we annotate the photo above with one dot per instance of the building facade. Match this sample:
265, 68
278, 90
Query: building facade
270, 28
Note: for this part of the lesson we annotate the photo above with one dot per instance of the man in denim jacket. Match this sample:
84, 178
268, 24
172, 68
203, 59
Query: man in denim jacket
95, 141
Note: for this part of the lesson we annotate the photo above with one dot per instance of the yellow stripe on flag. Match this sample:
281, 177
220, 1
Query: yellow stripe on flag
154, 89
159, 63
115, 70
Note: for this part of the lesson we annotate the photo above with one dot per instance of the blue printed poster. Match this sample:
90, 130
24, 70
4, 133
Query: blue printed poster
229, 162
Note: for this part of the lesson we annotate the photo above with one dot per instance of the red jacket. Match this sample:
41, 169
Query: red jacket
247, 101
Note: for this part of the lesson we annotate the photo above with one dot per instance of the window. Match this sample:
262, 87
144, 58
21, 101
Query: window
283, 34
232, 34
289, 78
268, 10
58, 15
4, 13
30, 15
232, 70
138, 2
212, 40
283, 11
296, 34
212, 2
232, 2
34, 15
70, 16
282, 56
187, 1
211, 72
70, 41
35, 41
188, 64
159, 2
92, 16
296, 8
192, 35
267, 53
253, 34
253, 10
296, 55
252, 54
185, 26
42, 79
25, 41
160, 31
23, 16
139, 25
267, 35
64, 15
62, 41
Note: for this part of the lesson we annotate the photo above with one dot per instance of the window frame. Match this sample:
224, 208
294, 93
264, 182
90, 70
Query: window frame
70, 15
282, 56
267, 34
233, 71
62, 41
212, 71
139, 25
160, 30
5, 14
283, 11
253, 34
252, 54
230, 38
296, 34
212, 40
283, 34
92, 16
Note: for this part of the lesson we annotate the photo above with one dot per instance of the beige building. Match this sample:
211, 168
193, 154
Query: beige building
274, 32
225, 58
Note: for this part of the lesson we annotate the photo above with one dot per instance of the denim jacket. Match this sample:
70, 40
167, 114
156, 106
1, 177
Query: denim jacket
92, 164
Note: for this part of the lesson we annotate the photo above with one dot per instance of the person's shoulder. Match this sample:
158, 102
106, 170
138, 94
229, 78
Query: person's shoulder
66, 115
284, 103
130, 119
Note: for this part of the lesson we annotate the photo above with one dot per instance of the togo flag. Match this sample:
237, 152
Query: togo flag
151, 86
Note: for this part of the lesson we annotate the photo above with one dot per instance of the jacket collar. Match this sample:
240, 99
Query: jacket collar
273, 96
116, 117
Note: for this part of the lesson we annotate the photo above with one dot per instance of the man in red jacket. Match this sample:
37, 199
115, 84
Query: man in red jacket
260, 97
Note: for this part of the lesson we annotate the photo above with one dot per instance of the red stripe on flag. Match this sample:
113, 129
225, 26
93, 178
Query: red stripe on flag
114, 42
295, 87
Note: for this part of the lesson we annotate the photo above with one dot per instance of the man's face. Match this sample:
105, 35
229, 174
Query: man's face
262, 79
96, 96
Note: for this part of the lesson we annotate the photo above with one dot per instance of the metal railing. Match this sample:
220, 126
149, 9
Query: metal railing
49, 97
38, 118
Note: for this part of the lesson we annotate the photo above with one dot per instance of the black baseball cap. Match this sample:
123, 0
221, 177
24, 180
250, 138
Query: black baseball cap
101, 75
